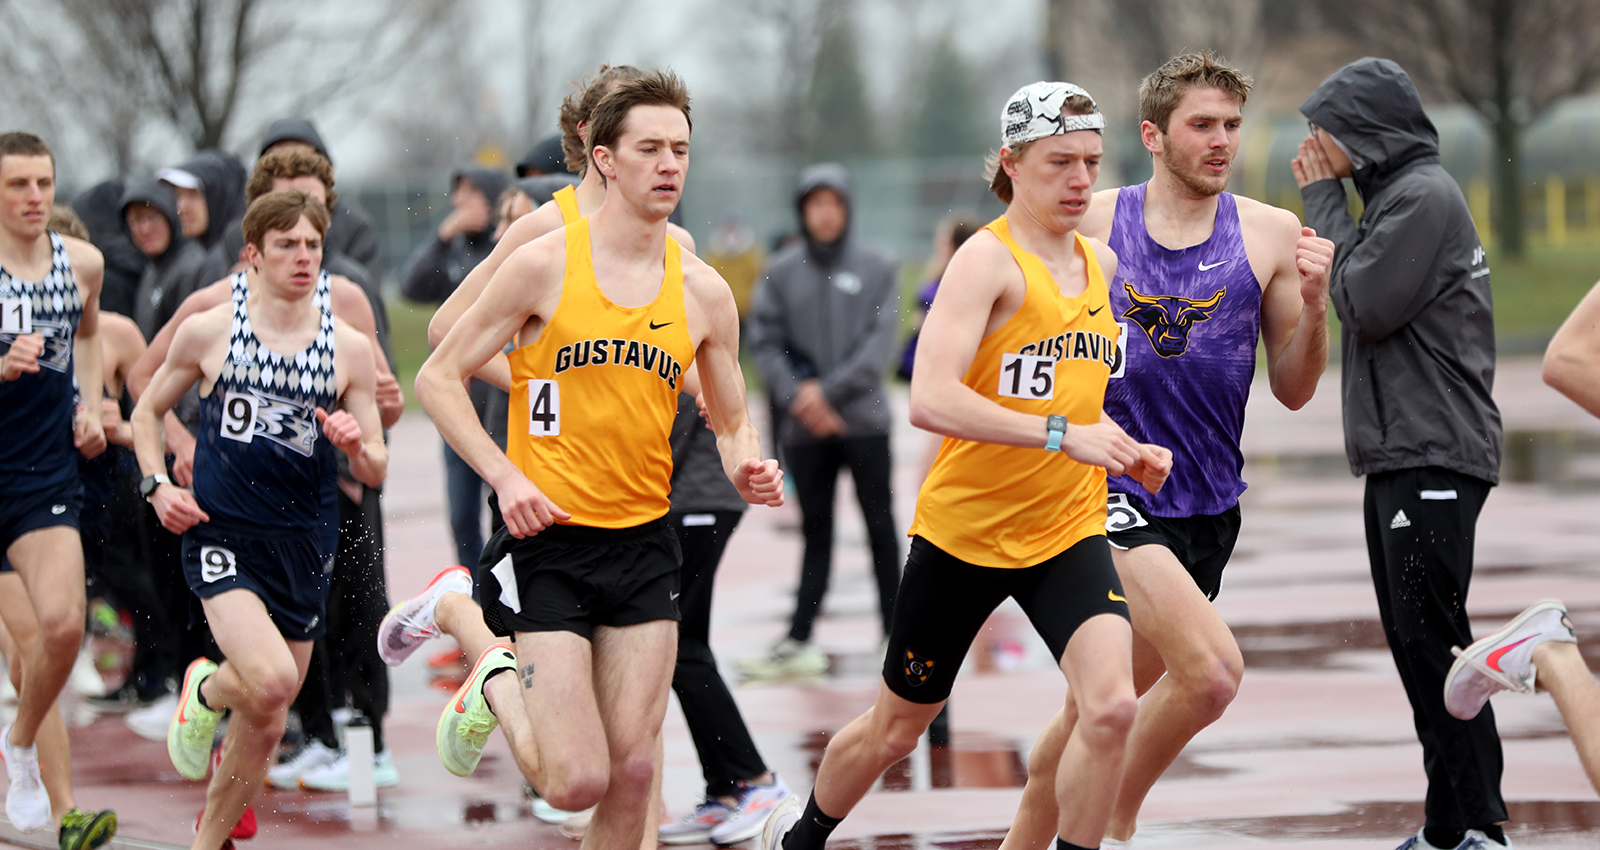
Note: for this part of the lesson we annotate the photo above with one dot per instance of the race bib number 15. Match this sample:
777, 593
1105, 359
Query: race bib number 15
1027, 376
16, 315
544, 408
239, 417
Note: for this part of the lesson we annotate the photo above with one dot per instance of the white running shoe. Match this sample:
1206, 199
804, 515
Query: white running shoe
782, 819
151, 722
1503, 661
286, 774
409, 624
27, 804
85, 680
1114, 844
1477, 840
335, 776
696, 827
787, 659
756, 803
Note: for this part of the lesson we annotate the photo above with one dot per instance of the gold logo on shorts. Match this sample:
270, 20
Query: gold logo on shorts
1112, 595
918, 669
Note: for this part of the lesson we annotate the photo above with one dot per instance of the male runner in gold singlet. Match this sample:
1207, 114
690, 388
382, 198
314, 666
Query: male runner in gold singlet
1012, 369
607, 313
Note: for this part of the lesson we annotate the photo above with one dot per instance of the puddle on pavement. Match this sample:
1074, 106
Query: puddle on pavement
1390, 820
1306, 646
973, 759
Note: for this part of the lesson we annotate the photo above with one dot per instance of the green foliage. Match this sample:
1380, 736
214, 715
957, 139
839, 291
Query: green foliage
945, 121
842, 122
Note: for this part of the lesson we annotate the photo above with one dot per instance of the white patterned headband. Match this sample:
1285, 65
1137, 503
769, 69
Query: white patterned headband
1035, 112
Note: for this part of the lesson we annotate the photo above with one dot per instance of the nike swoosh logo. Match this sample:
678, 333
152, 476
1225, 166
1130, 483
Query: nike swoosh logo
656, 327
1097, 309
1494, 657
672, 596
1112, 595
461, 706
1206, 268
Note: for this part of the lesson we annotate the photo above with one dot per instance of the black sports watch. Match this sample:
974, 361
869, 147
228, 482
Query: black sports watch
150, 482
1055, 426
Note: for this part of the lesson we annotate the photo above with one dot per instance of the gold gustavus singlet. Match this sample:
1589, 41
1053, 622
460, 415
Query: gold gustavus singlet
593, 399
566, 199
1004, 506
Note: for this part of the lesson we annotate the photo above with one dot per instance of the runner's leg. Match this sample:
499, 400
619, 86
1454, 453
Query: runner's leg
1100, 685
1563, 673
19, 632
50, 563
632, 675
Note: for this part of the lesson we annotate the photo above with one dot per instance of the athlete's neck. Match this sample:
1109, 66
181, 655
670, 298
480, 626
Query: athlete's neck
273, 312
590, 193
1176, 216
629, 252
1040, 236
27, 257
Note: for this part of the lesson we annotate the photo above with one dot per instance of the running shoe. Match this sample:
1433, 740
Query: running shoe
541, 807
782, 819
448, 659
335, 776
696, 827
410, 623
314, 755
465, 725
151, 722
1477, 840
27, 804
193, 726
756, 802
787, 659
1503, 661
81, 830
1109, 843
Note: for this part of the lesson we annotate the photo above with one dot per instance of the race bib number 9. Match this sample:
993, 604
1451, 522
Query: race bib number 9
16, 315
217, 563
239, 417
544, 409
1027, 376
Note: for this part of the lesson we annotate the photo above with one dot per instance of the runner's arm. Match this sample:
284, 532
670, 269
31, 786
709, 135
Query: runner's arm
350, 303
194, 340
1294, 308
716, 364
357, 428
1572, 362
87, 365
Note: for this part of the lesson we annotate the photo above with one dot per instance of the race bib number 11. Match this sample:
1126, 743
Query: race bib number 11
1027, 376
544, 409
16, 315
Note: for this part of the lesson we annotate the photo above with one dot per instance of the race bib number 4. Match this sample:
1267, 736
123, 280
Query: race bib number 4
1027, 376
239, 417
16, 315
544, 409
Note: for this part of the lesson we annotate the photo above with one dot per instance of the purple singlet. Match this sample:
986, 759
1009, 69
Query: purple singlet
1190, 320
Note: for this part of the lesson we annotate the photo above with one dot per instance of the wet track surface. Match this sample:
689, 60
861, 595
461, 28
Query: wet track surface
1317, 751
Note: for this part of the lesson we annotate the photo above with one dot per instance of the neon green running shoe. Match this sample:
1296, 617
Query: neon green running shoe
81, 830
467, 721
193, 725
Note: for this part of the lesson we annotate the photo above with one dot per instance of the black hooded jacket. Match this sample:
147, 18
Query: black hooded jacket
100, 207
162, 287
437, 267
828, 311
1410, 284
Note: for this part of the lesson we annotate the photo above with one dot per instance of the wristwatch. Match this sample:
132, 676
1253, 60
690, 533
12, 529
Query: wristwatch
150, 482
1056, 426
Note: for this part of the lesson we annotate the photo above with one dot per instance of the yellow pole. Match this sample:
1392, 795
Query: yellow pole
1478, 203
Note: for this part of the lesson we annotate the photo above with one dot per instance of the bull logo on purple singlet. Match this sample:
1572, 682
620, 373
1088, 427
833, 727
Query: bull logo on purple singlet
1166, 319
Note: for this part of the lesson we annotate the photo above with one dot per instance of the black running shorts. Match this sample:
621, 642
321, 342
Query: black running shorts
1202, 543
33, 511
943, 601
570, 578
286, 570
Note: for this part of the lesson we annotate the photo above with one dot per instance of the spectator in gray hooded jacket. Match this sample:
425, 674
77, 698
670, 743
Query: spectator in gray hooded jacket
822, 329
150, 218
1411, 287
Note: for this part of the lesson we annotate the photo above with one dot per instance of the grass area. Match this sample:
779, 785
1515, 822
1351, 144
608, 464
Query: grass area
408, 334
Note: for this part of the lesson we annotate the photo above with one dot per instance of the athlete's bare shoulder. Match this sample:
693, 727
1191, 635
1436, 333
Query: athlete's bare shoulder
1270, 234
682, 236
351, 340
1271, 220
983, 261
86, 259
534, 225
1102, 211
207, 297
1103, 253
120, 334
202, 329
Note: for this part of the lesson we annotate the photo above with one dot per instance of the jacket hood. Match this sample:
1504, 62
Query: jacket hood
545, 157
824, 175
100, 207
294, 130
161, 196
490, 182
222, 177
544, 187
1373, 109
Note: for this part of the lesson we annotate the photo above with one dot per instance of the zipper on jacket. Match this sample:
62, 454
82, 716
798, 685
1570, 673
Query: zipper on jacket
1377, 400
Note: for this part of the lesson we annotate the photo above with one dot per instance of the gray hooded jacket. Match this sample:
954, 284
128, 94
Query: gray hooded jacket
166, 279
1410, 285
831, 312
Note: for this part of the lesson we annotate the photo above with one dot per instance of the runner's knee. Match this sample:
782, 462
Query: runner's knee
270, 693
1106, 721
577, 789
61, 632
1212, 683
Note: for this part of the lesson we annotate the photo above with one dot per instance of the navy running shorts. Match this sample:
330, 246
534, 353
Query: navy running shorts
286, 570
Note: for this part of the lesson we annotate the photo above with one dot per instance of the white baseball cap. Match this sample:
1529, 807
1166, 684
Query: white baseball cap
1035, 112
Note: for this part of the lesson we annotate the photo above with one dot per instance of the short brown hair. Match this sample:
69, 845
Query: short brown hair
657, 88
999, 180
19, 143
578, 107
287, 163
281, 210
65, 221
1160, 92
